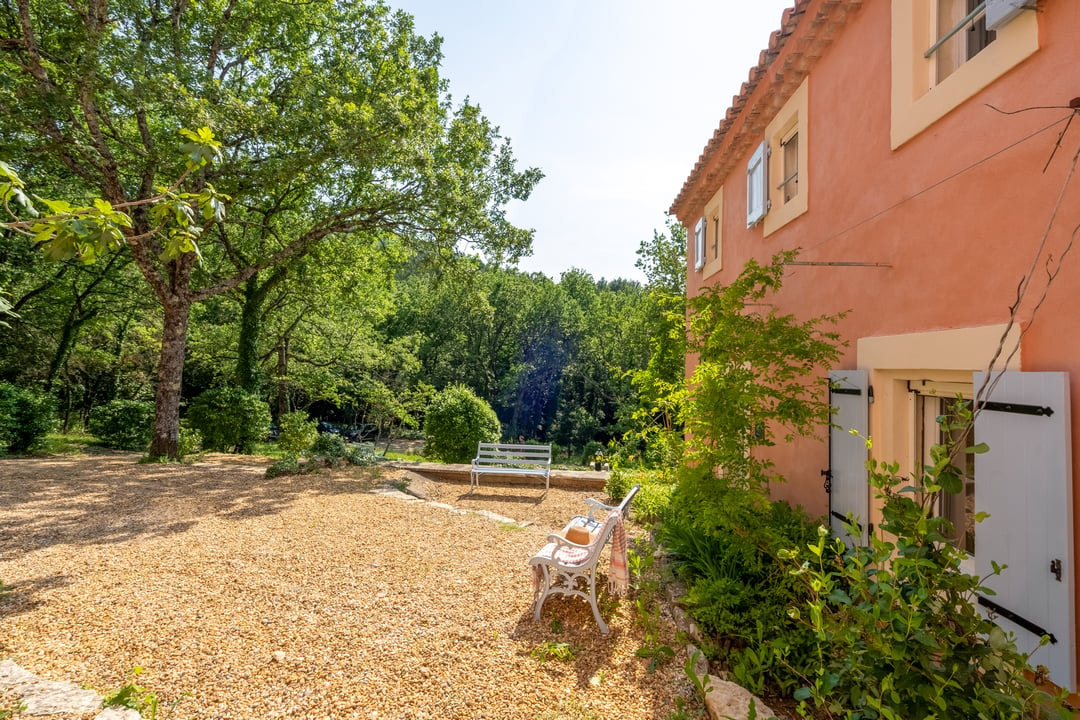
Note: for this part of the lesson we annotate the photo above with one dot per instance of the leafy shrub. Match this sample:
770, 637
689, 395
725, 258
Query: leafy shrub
618, 484
288, 465
456, 422
230, 419
123, 424
191, 440
26, 416
899, 635
363, 454
740, 591
652, 499
331, 449
298, 433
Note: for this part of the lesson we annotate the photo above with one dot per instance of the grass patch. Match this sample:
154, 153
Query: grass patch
404, 457
73, 443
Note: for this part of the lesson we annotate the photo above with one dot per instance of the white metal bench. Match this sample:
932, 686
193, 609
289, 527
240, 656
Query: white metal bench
500, 459
564, 567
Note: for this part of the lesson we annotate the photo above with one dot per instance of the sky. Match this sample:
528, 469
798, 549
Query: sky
613, 100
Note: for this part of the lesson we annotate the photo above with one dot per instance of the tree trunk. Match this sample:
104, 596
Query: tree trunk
282, 376
248, 370
166, 441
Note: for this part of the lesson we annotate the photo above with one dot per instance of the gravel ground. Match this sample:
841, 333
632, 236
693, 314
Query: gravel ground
304, 597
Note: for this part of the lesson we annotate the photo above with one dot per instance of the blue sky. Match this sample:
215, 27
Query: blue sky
613, 99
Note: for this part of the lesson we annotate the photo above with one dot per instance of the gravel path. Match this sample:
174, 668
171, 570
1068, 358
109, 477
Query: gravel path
303, 597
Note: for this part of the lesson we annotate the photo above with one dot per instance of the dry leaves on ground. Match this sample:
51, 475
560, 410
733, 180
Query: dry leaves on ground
304, 597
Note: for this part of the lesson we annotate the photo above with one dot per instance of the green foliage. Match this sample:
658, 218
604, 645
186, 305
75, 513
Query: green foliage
701, 683
656, 427
190, 440
11, 712
456, 422
618, 484
288, 465
230, 419
26, 416
134, 696
739, 590
298, 433
657, 654
652, 499
331, 450
123, 424
897, 634
554, 651
759, 378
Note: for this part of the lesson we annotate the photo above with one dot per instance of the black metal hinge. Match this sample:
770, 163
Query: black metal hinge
1018, 408
1020, 620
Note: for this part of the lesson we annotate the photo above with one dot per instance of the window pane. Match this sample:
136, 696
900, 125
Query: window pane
791, 167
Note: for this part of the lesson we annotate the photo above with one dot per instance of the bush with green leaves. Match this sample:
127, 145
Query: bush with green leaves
123, 424
739, 590
191, 440
456, 422
897, 633
26, 416
288, 465
330, 449
298, 433
230, 419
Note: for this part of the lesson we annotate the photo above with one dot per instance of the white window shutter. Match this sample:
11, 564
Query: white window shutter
699, 244
1024, 482
848, 484
757, 185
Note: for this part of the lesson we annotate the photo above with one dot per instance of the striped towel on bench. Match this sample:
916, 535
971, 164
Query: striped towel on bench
618, 576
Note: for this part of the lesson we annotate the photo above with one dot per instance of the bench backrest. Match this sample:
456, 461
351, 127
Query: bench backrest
625, 504
500, 454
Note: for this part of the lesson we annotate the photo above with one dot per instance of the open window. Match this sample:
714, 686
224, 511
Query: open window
788, 135
945, 51
714, 237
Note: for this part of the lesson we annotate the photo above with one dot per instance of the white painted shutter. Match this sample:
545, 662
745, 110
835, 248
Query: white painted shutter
1024, 482
849, 490
699, 244
757, 185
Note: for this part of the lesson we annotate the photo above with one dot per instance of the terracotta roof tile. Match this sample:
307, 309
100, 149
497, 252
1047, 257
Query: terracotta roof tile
816, 35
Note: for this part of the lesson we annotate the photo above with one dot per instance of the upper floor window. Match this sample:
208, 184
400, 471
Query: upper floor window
789, 186
961, 35
714, 234
782, 155
944, 52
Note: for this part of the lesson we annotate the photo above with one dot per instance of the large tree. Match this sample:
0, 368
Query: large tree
333, 118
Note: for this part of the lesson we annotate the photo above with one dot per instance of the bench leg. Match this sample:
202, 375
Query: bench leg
604, 629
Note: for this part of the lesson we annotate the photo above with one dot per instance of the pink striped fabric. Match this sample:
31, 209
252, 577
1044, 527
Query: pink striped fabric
618, 575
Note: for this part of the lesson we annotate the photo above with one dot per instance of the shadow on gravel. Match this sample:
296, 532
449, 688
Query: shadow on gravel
23, 596
112, 498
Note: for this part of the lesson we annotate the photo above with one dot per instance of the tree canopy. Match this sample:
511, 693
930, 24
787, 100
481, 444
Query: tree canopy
333, 122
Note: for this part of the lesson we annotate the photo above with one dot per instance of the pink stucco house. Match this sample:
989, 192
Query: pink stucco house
921, 155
